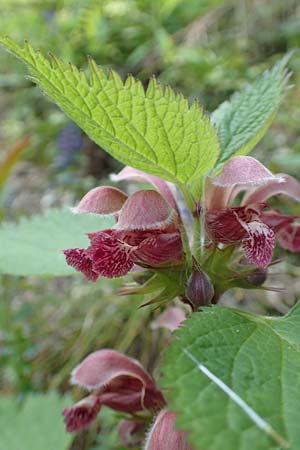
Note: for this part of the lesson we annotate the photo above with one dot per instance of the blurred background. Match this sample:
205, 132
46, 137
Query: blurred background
205, 48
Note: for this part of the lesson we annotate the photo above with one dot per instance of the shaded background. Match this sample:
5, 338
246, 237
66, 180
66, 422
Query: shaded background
207, 49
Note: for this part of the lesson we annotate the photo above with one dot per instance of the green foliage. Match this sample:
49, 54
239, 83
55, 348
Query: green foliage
155, 131
242, 122
34, 246
257, 357
36, 425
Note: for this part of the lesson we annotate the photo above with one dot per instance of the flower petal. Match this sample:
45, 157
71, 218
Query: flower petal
159, 249
165, 436
244, 170
111, 257
81, 261
226, 225
259, 244
167, 190
82, 414
288, 186
101, 200
145, 210
102, 367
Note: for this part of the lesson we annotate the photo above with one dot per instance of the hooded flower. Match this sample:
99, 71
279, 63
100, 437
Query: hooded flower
114, 380
146, 233
164, 435
249, 224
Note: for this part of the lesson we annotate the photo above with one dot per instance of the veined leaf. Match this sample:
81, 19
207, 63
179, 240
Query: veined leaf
36, 425
35, 245
242, 122
234, 379
155, 131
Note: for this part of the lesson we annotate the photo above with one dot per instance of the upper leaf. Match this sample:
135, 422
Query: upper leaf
35, 246
257, 359
155, 131
243, 121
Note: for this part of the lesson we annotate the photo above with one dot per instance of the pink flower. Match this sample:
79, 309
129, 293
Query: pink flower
171, 319
115, 381
165, 436
146, 234
249, 224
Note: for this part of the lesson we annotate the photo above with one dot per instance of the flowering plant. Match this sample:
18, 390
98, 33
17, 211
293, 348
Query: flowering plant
205, 224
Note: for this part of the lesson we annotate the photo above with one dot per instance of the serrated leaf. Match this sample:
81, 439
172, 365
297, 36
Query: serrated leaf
242, 122
155, 131
37, 425
257, 358
34, 246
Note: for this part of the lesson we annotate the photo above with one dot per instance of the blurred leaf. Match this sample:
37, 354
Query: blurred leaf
258, 360
34, 246
37, 425
11, 158
155, 131
242, 122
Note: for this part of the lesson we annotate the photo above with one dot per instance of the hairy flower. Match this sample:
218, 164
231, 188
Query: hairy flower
249, 224
115, 381
164, 435
146, 233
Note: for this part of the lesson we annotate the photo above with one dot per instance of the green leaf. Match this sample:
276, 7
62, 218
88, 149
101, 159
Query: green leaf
155, 131
37, 425
242, 122
34, 246
257, 359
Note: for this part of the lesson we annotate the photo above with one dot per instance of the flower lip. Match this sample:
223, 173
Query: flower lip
82, 414
166, 189
103, 200
164, 435
244, 170
288, 186
100, 368
146, 210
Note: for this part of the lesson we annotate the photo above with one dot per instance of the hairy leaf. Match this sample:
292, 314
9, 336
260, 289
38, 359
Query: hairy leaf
155, 131
36, 425
243, 121
234, 379
34, 246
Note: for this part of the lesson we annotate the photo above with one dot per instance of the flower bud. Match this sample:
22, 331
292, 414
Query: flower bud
258, 277
131, 433
200, 290
164, 435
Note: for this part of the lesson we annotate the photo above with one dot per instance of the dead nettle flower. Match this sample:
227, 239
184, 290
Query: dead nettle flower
146, 233
114, 380
171, 319
249, 224
164, 435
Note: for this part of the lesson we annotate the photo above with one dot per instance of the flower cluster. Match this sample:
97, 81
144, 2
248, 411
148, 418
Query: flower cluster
150, 225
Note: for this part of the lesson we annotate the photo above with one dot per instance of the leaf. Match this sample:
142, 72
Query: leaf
37, 425
155, 131
257, 359
34, 246
242, 122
